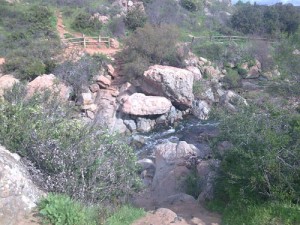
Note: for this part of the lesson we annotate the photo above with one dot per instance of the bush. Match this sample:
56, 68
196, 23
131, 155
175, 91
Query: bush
32, 60
242, 72
65, 155
198, 89
126, 215
85, 23
232, 79
211, 51
193, 184
150, 45
135, 18
62, 210
190, 5
30, 41
117, 26
79, 74
264, 160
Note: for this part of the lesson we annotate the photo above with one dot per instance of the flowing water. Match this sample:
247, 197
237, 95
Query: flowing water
191, 130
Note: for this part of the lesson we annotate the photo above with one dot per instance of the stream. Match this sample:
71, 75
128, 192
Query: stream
191, 129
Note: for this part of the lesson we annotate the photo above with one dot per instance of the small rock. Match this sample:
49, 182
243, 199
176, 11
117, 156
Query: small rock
114, 43
103, 81
94, 88
196, 72
85, 99
200, 109
145, 125
296, 52
90, 114
138, 141
232, 101
111, 70
130, 124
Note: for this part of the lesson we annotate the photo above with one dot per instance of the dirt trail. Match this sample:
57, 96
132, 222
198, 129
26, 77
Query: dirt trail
184, 210
61, 29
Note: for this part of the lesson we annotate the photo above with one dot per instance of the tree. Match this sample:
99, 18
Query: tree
150, 45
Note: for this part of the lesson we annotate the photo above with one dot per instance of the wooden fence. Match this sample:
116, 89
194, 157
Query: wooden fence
222, 39
85, 41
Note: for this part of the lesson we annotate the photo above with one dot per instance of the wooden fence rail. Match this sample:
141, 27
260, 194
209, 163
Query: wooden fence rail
230, 38
85, 40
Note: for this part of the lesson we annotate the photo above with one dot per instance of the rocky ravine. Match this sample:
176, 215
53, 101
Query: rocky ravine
162, 95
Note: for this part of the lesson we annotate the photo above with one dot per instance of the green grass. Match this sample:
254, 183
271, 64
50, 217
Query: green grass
258, 214
125, 216
59, 209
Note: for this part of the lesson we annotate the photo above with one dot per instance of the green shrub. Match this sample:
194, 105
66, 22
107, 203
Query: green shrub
192, 184
198, 89
211, 51
30, 42
242, 72
63, 154
62, 210
232, 79
84, 23
270, 213
125, 216
78, 74
190, 5
117, 26
264, 161
150, 45
135, 18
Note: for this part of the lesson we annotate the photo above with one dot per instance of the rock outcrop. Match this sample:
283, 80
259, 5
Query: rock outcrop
173, 83
171, 169
139, 104
6, 83
18, 194
232, 101
48, 82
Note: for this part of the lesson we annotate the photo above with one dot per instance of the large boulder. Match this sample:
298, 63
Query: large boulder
48, 82
6, 83
18, 194
171, 169
173, 83
139, 104
106, 114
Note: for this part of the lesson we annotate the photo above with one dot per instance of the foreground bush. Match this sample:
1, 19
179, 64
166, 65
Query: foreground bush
265, 158
150, 45
62, 210
264, 163
64, 155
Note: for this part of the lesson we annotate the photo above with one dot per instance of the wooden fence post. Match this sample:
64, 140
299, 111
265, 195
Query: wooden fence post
84, 42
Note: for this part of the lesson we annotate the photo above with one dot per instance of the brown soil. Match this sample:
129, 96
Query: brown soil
187, 212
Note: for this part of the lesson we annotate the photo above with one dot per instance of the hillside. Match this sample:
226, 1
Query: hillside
149, 112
